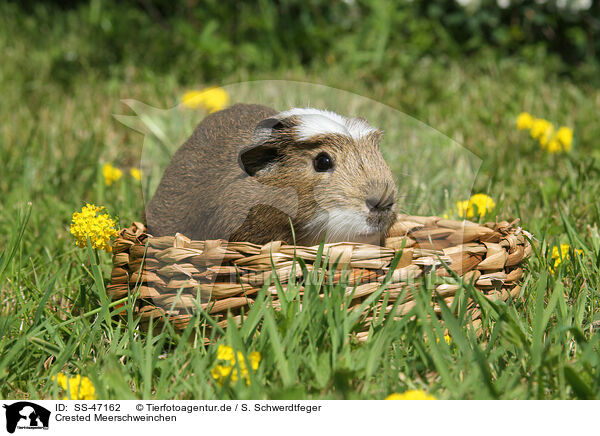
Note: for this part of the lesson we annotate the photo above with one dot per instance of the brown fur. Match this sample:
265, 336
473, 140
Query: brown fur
206, 194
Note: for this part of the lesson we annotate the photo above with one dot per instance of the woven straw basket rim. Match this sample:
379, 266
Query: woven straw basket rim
173, 275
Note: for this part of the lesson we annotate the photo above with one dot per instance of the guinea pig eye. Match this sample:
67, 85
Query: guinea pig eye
323, 162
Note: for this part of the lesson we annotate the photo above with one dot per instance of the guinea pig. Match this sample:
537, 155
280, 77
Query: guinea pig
250, 173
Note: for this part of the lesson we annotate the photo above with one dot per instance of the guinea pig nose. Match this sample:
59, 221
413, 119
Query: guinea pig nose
379, 204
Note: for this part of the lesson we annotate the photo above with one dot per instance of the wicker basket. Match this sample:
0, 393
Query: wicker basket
171, 275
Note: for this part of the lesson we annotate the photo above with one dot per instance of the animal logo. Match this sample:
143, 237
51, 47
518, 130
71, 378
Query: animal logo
24, 414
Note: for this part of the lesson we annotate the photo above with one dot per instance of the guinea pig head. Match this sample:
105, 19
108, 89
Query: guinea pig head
345, 189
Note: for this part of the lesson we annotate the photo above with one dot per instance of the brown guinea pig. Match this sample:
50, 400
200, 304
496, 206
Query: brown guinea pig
249, 173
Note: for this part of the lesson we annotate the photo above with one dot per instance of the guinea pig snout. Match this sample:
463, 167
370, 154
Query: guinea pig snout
380, 203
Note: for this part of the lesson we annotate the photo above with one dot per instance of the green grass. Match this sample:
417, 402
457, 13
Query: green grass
55, 139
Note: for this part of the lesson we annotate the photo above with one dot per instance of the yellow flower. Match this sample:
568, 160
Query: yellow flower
546, 137
254, 360
221, 372
411, 395
543, 131
76, 387
560, 254
111, 174
463, 209
213, 99
136, 174
483, 203
565, 136
554, 146
560, 141
225, 352
99, 228
524, 121
478, 204
228, 369
447, 338
540, 128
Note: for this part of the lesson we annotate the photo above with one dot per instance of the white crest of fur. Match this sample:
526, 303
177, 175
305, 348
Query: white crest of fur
315, 122
339, 225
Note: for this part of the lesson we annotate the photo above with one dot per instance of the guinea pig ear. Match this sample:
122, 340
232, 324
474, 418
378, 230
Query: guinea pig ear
266, 129
262, 152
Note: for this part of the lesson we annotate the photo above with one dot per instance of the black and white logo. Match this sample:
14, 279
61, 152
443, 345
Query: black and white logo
26, 415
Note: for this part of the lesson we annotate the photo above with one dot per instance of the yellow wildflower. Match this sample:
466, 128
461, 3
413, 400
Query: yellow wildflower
478, 204
411, 395
463, 208
524, 121
228, 369
483, 203
546, 137
447, 338
254, 360
554, 146
76, 387
99, 228
111, 174
540, 128
565, 136
543, 131
213, 99
560, 254
225, 353
221, 373
136, 174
